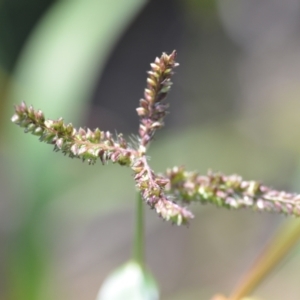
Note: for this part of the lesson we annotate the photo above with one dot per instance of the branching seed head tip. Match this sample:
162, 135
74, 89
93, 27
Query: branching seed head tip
151, 110
159, 191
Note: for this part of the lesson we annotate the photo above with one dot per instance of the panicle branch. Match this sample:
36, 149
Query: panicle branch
158, 191
152, 188
152, 110
85, 144
230, 192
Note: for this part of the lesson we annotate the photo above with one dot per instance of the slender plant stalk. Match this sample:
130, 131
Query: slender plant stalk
276, 249
138, 243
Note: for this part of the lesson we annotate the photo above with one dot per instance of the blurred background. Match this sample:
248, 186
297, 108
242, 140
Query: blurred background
235, 108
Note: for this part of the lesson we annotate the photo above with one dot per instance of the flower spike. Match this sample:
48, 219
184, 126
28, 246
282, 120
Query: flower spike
152, 110
85, 144
159, 191
230, 192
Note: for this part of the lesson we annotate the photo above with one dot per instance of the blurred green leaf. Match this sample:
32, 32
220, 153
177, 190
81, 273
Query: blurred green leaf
56, 73
59, 66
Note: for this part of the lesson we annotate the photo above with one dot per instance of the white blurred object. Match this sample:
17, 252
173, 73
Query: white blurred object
129, 282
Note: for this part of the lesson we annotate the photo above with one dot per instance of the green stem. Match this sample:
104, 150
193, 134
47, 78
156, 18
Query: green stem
138, 243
